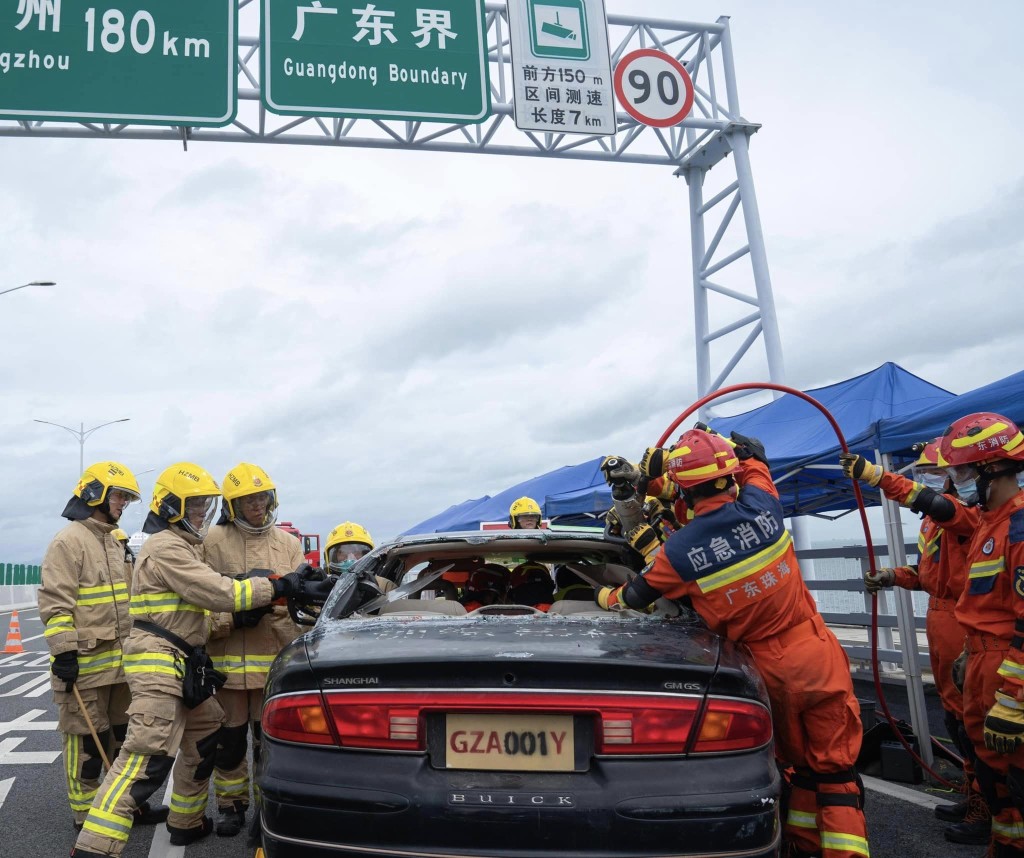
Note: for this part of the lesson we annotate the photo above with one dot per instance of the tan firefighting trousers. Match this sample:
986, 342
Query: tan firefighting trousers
159, 727
231, 773
107, 706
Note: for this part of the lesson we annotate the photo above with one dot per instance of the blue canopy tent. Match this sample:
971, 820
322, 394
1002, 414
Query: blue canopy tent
796, 436
898, 434
804, 450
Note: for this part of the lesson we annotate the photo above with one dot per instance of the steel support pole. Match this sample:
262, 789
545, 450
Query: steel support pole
695, 181
738, 141
81, 448
905, 623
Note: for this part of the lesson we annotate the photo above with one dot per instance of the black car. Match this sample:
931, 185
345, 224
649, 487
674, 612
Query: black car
403, 725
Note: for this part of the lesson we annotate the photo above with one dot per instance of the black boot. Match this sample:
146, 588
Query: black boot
231, 819
85, 853
976, 829
150, 814
954, 812
184, 836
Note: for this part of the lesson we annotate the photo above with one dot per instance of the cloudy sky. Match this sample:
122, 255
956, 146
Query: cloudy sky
389, 333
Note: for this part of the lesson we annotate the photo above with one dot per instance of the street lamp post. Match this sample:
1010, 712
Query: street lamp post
81, 433
26, 285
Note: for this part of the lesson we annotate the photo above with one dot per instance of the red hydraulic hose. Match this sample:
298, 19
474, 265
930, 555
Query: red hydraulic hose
764, 385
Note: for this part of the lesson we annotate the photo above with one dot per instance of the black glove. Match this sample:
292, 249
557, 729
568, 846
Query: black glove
65, 666
259, 573
294, 585
251, 618
748, 448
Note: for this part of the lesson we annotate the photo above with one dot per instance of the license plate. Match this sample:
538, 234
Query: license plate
535, 743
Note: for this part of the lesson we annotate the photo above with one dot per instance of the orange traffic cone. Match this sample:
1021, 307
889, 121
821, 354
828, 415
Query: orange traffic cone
14, 635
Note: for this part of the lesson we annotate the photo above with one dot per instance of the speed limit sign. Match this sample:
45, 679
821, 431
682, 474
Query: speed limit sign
653, 87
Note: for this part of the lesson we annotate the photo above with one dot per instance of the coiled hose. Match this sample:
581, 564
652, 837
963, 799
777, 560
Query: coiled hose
781, 388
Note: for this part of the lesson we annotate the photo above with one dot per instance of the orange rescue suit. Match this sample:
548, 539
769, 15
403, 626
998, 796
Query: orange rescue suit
941, 572
736, 562
991, 610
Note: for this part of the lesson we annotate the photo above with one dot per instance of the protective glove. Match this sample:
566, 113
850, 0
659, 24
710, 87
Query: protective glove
879, 578
65, 666
251, 618
652, 465
619, 470
748, 448
644, 539
602, 596
660, 515
295, 585
1004, 725
858, 468
959, 671
612, 523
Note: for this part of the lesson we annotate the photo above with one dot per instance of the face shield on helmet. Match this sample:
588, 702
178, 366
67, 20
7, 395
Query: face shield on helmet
199, 513
254, 513
343, 556
930, 477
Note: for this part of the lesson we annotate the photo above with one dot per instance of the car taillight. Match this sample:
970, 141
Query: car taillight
383, 721
298, 718
633, 724
649, 726
733, 725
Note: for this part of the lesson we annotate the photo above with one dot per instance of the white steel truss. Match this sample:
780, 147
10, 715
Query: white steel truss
714, 129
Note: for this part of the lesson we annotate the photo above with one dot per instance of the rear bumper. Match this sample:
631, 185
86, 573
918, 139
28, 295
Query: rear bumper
326, 803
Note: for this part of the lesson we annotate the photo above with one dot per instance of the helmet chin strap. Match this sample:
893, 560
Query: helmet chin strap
985, 478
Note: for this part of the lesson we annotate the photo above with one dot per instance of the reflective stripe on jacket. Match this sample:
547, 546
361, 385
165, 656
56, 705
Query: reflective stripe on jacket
245, 655
83, 601
175, 589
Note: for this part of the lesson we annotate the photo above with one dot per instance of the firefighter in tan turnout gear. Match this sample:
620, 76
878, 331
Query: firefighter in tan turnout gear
243, 644
172, 592
83, 601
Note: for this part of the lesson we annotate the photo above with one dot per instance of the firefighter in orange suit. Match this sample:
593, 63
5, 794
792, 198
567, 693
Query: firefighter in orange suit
83, 601
941, 572
736, 562
173, 590
990, 448
243, 644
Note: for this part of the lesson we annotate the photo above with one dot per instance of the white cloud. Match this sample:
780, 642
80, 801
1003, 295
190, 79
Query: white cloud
390, 333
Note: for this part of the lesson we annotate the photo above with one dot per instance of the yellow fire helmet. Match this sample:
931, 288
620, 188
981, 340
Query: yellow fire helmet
523, 506
119, 534
185, 494
345, 545
246, 481
94, 488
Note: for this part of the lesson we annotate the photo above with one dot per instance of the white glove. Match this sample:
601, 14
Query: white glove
884, 577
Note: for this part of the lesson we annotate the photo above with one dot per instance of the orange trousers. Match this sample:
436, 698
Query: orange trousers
945, 642
980, 686
818, 732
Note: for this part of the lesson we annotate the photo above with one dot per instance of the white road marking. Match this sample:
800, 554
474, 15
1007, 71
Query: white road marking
38, 680
33, 638
912, 796
5, 788
161, 846
11, 757
27, 721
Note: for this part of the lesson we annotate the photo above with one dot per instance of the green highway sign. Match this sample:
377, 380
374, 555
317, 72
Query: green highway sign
386, 59
129, 61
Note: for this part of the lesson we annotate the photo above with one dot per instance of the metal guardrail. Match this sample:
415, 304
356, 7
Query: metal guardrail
889, 654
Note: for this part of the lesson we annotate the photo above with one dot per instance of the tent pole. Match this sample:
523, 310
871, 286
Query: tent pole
905, 622
802, 542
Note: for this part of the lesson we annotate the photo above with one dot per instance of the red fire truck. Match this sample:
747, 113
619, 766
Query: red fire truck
310, 541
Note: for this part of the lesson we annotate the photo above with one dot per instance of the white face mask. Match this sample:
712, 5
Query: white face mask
935, 482
967, 491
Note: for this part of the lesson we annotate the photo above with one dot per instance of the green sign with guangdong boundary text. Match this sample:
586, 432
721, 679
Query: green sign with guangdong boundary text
387, 59
125, 61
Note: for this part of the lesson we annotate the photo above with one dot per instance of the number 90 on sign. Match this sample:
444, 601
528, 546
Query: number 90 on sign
653, 88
